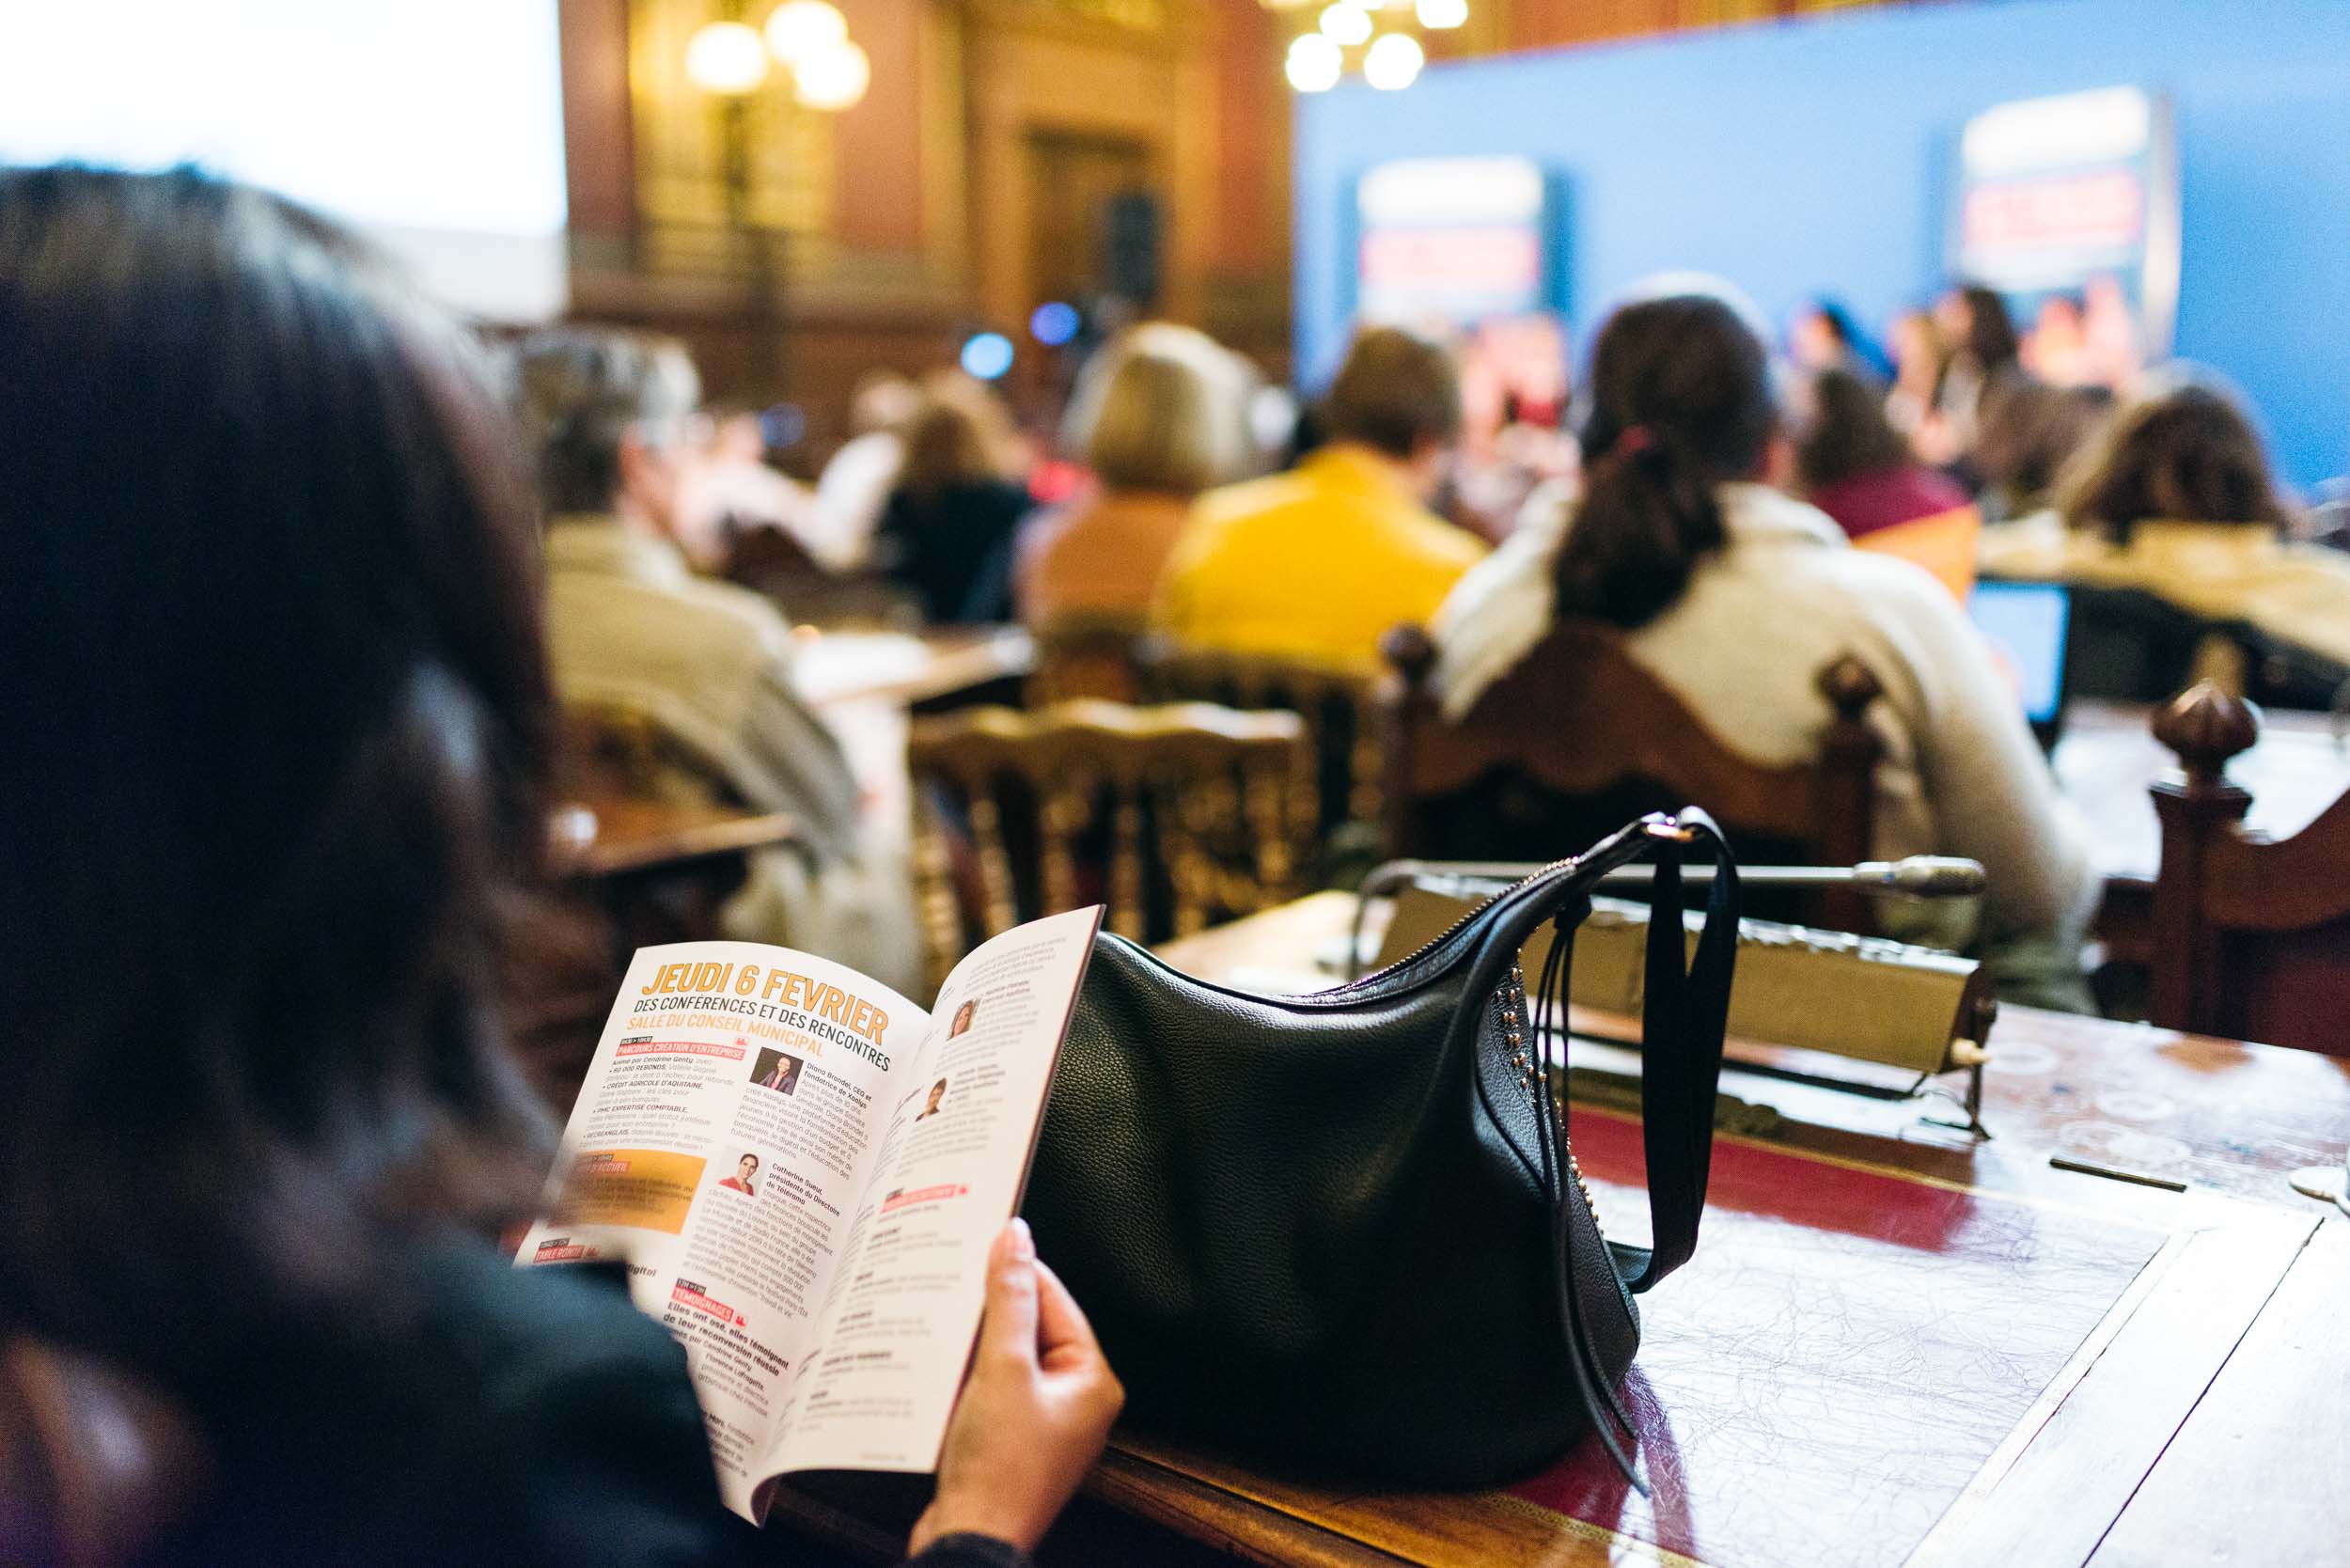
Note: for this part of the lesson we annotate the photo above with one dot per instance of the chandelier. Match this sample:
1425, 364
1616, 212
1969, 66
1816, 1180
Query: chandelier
1379, 37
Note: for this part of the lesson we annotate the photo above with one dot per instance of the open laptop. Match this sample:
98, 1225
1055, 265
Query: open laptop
2029, 626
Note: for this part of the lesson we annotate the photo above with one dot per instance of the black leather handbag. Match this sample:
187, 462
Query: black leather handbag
1343, 1233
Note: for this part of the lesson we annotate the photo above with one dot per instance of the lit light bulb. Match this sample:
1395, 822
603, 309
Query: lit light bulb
1394, 62
801, 29
1346, 23
1315, 64
987, 355
725, 57
833, 78
1055, 324
1440, 14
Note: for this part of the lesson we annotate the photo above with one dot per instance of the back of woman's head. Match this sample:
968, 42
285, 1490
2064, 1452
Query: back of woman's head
2184, 452
1990, 339
1846, 432
278, 726
1681, 402
1160, 423
959, 434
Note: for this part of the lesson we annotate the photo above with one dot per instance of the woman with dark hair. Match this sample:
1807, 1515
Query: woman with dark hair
279, 729
948, 531
2029, 434
1735, 597
1856, 468
2176, 498
1985, 353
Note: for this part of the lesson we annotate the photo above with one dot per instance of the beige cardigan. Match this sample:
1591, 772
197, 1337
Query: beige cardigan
1962, 774
630, 626
2220, 571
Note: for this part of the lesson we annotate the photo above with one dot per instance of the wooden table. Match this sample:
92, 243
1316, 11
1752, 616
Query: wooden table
911, 671
618, 835
2171, 1388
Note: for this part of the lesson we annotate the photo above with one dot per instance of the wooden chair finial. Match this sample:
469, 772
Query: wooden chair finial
2206, 726
1849, 686
1410, 651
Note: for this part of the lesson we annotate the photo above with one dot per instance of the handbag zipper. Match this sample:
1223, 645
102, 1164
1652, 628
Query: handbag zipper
1446, 936
1513, 999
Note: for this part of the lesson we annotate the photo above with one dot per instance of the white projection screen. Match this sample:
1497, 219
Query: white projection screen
434, 126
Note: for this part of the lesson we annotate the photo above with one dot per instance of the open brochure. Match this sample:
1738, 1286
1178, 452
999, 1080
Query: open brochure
803, 1172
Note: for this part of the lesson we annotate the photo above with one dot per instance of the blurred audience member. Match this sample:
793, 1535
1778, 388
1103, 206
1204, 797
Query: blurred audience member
1856, 468
1514, 399
1984, 354
1825, 337
854, 488
2177, 499
729, 489
2056, 349
1318, 563
948, 531
2112, 339
1159, 428
1920, 357
2030, 433
631, 628
1736, 596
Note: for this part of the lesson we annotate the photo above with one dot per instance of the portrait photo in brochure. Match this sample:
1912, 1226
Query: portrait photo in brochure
931, 1106
963, 1017
773, 1068
744, 1169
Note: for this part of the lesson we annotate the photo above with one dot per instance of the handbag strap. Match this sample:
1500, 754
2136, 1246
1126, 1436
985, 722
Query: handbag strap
1685, 1011
1684, 1014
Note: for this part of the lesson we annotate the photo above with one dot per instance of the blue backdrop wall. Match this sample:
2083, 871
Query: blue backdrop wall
1816, 156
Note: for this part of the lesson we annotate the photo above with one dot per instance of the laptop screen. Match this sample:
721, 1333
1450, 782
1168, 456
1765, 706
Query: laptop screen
2025, 624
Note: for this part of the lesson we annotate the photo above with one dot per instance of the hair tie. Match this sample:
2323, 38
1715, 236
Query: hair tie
1634, 440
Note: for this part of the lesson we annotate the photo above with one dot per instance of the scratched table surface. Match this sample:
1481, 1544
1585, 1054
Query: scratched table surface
1898, 1343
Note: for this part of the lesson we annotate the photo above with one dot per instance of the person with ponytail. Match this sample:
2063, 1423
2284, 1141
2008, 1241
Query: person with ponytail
1734, 596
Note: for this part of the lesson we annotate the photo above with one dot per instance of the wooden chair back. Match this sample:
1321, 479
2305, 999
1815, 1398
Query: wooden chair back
1186, 806
95, 1465
2251, 935
1578, 739
1080, 656
1338, 708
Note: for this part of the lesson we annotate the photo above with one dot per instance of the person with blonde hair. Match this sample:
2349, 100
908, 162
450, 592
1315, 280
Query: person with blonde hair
1156, 425
948, 531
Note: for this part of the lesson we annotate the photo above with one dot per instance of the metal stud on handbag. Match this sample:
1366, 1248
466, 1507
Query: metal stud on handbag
1344, 1233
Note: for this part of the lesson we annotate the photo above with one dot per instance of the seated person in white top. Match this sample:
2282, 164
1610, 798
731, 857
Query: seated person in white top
1734, 596
630, 627
2177, 499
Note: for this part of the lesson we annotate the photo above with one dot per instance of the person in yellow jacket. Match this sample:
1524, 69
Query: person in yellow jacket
1318, 563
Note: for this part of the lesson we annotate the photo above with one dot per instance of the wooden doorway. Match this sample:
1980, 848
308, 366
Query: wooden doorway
1084, 240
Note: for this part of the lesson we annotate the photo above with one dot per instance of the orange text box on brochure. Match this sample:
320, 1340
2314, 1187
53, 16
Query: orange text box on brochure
648, 1189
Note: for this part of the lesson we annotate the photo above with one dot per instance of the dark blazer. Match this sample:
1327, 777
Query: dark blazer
954, 548
501, 1416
